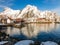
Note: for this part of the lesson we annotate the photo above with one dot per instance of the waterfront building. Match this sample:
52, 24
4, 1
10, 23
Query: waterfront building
8, 21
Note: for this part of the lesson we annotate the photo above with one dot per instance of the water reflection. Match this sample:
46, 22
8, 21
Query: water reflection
32, 30
13, 31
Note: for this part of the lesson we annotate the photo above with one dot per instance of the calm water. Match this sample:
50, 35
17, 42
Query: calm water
40, 32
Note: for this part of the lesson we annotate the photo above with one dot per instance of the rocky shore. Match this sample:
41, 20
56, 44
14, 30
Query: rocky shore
13, 41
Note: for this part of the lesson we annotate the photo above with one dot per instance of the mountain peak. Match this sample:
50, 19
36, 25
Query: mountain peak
31, 7
7, 8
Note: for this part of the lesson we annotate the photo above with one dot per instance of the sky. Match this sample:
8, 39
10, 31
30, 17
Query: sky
52, 5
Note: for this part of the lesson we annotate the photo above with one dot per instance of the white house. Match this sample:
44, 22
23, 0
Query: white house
8, 21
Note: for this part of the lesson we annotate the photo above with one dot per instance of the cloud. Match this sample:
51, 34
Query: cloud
52, 1
57, 10
6, 3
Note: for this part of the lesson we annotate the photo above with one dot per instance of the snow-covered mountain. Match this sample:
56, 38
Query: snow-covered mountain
28, 10
10, 12
31, 10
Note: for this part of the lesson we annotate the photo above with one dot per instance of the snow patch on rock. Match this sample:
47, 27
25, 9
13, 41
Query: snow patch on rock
49, 43
24, 42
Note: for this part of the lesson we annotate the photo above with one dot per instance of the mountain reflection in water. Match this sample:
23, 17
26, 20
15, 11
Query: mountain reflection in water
37, 31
